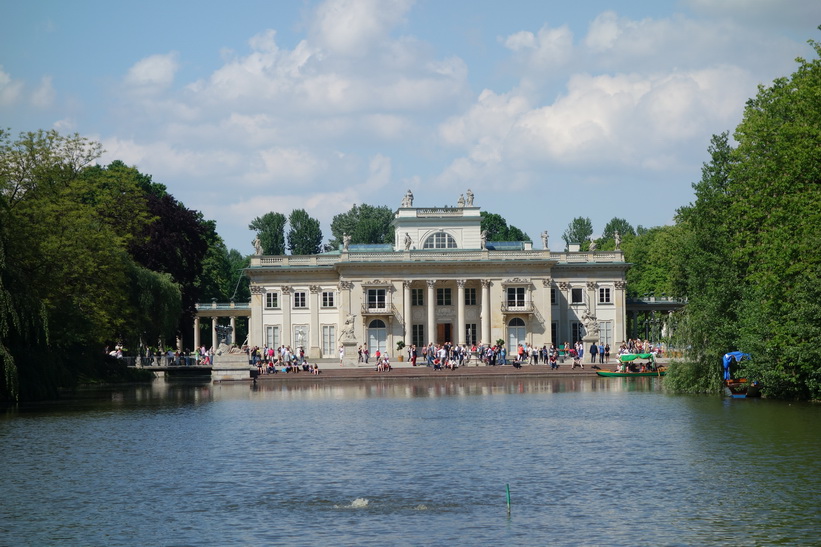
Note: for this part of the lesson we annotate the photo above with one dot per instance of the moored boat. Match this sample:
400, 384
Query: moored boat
738, 388
628, 368
612, 374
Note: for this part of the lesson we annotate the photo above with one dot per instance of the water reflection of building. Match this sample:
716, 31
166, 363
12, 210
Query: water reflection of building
440, 281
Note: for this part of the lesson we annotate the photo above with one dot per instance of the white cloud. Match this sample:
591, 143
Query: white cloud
353, 28
10, 89
154, 73
43, 95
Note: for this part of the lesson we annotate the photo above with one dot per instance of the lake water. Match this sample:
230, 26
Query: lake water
605, 461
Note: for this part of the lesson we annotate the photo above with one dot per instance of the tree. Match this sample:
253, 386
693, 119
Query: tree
498, 229
304, 234
619, 225
270, 229
709, 326
776, 212
365, 224
175, 243
578, 231
64, 264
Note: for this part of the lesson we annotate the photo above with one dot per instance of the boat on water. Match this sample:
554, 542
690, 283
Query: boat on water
628, 368
738, 388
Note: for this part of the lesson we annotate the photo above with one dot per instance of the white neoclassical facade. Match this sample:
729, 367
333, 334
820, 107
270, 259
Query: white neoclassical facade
439, 282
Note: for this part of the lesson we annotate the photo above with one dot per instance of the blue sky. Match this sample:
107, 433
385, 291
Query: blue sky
545, 110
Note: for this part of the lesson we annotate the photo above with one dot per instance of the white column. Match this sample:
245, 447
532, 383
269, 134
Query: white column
406, 311
196, 332
619, 329
460, 312
214, 331
256, 323
486, 312
431, 330
286, 316
233, 329
312, 350
547, 310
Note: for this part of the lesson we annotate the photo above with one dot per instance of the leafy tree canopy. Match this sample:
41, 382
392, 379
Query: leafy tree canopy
578, 231
365, 224
304, 234
754, 269
498, 229
270, 229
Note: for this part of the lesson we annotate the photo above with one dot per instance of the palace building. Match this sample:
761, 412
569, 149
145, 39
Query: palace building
440, 281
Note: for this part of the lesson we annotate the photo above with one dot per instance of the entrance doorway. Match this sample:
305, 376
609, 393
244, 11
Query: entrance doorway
444, 333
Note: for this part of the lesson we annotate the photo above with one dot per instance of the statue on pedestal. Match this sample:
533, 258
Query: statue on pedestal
470, 198
257, 245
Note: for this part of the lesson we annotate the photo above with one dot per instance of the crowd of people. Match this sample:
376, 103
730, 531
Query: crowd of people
269, 360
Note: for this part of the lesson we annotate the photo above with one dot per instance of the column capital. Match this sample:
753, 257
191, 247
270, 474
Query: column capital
256, 289
406, 284
591, 285
547, 282
345, 285
620, 285
461, 283
431, 283
564, 285
315, 289
485, 283
286, 289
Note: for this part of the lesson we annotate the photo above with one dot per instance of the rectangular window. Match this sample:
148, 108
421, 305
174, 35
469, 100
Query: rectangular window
272, 336
417, 297
470, 334
576, 296
271, 300
328, 341
418, 335
515, 296
554, 332
604, 295
443, 297
328, 299
470, 297
606, 332
300, 300
376, 299
576, 331
553, 299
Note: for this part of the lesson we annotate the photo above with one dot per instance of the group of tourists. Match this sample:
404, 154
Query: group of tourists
268, 359
639, 346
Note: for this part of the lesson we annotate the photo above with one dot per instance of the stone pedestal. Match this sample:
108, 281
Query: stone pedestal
230, 366
351, 354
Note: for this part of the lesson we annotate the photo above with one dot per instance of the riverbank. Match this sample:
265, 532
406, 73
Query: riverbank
404, 371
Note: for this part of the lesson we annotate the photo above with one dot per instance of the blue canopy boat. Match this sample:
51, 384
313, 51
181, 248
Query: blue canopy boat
738, 388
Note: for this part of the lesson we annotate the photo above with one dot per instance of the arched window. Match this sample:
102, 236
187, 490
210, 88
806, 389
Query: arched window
377, 336
440, 240
516, 334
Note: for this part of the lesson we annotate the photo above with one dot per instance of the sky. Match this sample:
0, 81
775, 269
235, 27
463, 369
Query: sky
546, 110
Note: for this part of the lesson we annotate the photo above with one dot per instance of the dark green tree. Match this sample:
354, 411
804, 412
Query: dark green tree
709, 327
270, 229
304, 233
498, 229
365, 224
776, 214
578, 231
